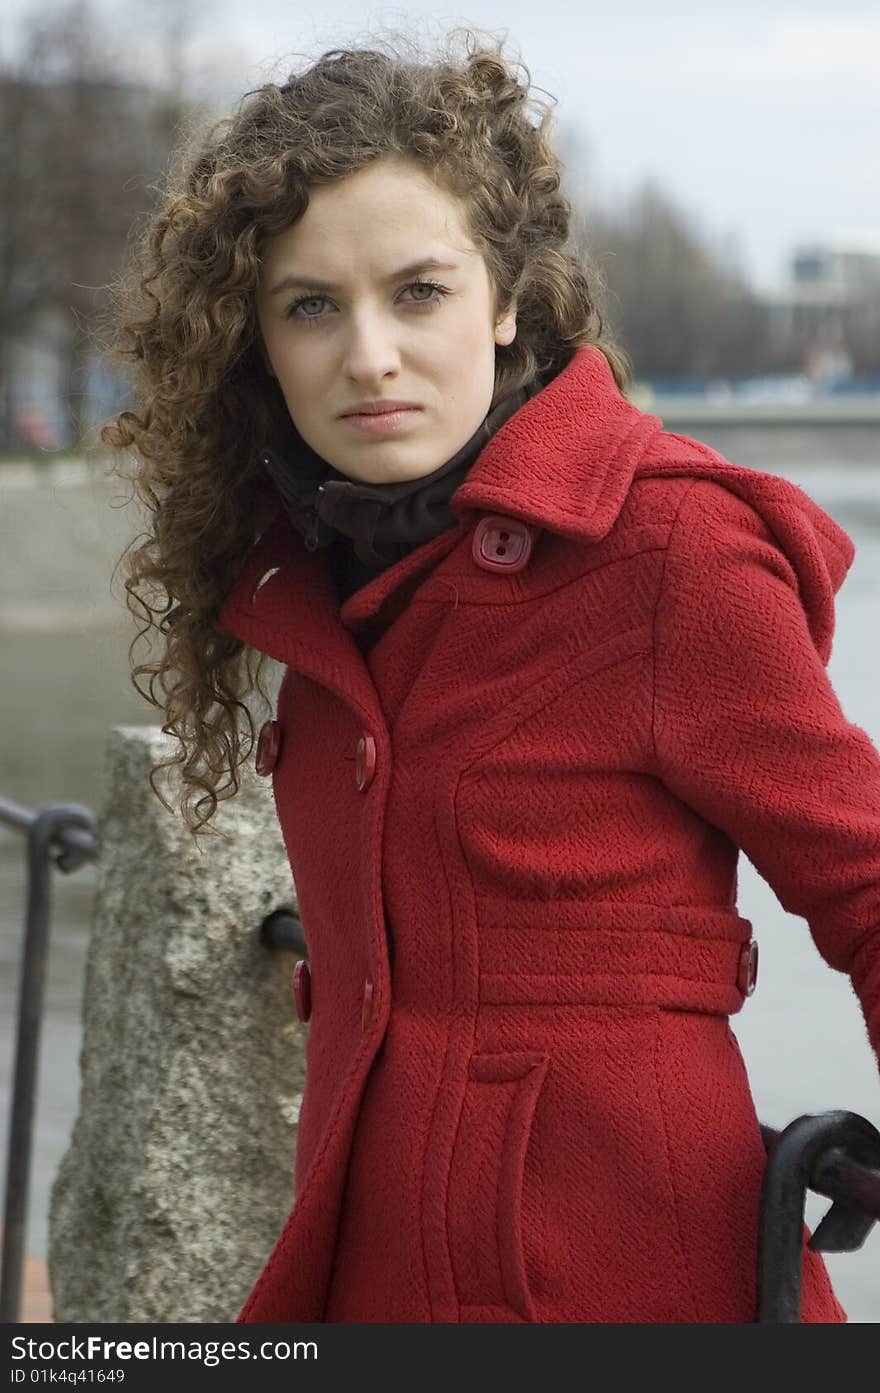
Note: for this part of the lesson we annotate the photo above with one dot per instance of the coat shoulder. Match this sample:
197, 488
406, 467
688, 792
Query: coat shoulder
653, 501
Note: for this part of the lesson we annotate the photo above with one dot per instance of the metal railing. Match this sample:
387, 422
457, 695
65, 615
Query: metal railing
835, 1154
63, 835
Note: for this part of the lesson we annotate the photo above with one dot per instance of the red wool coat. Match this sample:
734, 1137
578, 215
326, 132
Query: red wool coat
513, 773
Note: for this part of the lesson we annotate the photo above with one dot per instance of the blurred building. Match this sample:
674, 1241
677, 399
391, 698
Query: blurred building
830, 289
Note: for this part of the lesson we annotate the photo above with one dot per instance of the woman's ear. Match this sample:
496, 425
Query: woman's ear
505, 328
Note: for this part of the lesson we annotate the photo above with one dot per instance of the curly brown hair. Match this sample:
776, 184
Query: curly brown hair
205, 403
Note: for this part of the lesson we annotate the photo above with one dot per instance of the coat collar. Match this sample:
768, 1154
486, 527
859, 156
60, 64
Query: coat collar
566, 459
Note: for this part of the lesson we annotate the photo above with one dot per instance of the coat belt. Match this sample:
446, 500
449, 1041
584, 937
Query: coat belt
576, 953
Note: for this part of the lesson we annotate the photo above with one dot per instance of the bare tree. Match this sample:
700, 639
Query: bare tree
680, 306
82, 146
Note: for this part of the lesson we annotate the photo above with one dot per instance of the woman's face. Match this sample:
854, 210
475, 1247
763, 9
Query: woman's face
378, 294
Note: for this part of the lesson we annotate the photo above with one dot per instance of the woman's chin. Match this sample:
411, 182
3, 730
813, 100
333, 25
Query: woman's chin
385, 466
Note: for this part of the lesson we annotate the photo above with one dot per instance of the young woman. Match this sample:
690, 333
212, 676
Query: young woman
547, 667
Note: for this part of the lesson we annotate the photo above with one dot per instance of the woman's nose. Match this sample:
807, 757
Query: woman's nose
372, 350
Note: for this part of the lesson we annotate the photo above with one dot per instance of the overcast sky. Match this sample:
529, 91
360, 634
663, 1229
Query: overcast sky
762, 119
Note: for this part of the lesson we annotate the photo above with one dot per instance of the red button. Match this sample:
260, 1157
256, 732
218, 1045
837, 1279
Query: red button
502, 544
268, 747
747, 972
367, 1007
302, 989
365, 761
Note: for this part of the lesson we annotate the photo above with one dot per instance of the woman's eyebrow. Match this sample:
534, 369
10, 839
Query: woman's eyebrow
415, 268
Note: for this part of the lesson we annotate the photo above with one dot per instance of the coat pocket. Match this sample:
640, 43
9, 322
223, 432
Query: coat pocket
486, 1188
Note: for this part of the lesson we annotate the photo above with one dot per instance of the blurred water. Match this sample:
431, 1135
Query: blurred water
64, 639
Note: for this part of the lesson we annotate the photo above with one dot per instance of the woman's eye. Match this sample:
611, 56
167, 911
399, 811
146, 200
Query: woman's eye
435, 292
305, 302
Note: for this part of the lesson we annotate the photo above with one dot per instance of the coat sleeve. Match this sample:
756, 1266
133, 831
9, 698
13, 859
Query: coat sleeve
749, 732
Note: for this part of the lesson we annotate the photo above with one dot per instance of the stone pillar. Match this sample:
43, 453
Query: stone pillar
180, 1169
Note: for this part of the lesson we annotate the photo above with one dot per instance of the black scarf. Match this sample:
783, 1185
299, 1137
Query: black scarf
375, 525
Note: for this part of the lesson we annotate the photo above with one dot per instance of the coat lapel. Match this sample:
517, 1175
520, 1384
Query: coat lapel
284, 604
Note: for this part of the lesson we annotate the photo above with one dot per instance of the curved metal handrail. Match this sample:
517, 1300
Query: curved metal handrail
836, 1154
64, 835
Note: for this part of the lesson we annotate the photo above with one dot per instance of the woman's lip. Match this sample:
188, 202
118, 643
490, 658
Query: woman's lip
379, 422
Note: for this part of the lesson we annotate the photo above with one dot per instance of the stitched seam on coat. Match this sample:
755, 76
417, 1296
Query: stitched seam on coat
475, 1018
624, 976
537, 599
671, 1177
437, 1099
654, 644
558, 696
697, 933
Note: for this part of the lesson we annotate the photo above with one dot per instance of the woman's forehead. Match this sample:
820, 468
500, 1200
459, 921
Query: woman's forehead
386, 222
391, 199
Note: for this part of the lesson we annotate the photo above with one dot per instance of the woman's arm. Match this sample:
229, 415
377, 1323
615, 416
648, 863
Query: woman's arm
749, 731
